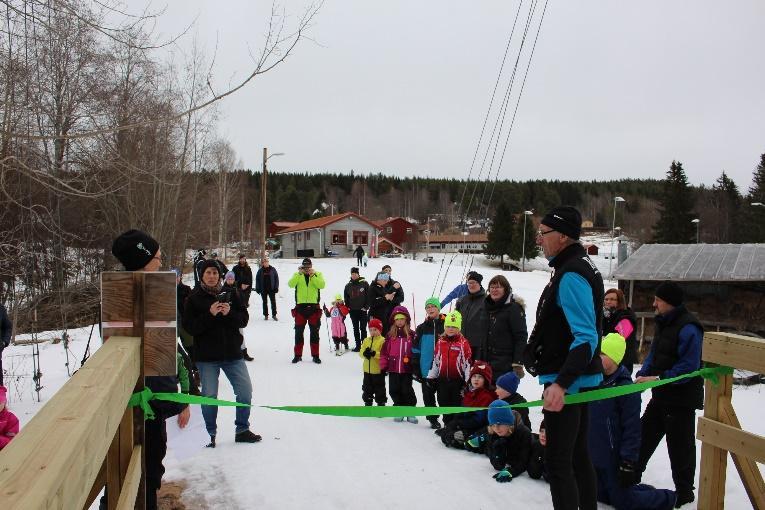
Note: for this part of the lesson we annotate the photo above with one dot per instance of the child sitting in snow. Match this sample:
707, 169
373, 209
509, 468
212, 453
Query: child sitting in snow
373, 386
396, 359
338, 312
508, 442
479, 394
9, 424
507, 390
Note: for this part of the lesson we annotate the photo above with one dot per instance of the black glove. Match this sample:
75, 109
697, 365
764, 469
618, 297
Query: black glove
628, 474
368, 353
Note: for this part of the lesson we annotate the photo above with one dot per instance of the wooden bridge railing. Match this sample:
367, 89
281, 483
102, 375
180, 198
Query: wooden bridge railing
86, 437
719, 429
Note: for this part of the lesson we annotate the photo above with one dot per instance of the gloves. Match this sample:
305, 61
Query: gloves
476, 440
503, 476
368, 353
628, 474
518, 369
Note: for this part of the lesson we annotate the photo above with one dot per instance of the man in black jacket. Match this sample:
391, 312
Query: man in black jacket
138, 251
563, 351
356, 297
471, 306
6, 328
675, 350
243, 274
384, 295
214, 318
267, 285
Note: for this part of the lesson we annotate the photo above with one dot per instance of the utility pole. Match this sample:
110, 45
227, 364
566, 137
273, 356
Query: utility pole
263, 182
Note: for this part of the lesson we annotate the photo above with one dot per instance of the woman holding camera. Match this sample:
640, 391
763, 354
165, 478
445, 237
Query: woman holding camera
213, 317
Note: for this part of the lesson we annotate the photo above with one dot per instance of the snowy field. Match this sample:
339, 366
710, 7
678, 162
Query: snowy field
329, 462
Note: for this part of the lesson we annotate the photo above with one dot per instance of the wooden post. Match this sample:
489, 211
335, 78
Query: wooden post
713, 459
141, 305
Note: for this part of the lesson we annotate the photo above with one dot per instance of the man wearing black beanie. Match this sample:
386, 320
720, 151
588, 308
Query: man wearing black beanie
563, 351
675, 350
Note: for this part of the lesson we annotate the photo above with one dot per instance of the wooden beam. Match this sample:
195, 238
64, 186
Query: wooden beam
97, 487
714, 460
731, 439
57, 456
737, 351
747, 469
132, 481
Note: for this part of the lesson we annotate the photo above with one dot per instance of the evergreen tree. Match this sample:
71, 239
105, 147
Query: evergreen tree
727, 201
501, 233
754, 228
516, 249
676, 209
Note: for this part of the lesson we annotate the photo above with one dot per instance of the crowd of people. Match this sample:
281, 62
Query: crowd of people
584, 338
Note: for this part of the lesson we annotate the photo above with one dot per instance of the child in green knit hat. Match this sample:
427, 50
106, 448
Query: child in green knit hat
425, 338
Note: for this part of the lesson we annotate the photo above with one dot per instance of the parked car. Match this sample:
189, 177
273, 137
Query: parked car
429, 258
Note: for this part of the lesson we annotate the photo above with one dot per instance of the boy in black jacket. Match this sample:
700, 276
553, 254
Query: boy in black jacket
508, 444
507, 390
356, 297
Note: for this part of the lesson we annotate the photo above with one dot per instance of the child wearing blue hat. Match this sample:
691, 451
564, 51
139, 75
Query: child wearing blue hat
508, 444
507, 390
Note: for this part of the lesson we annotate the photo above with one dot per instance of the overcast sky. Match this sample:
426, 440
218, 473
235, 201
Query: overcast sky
616, 89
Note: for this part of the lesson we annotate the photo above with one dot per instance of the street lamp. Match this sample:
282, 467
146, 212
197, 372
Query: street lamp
696, 221
526, 214
264, 180
613, 229
464, 241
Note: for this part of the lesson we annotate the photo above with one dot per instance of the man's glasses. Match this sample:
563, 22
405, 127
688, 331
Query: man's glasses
542, 233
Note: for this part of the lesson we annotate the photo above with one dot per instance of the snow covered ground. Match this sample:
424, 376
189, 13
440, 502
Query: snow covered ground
329, 462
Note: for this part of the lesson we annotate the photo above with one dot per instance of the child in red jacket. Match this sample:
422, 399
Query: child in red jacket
479, 394
452, 358
9, 424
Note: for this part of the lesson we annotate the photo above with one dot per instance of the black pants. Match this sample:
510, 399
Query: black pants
373, 388
429, 399
449, 393
359, 259
678, 424
1, 363
265, 296
245, 293
359, 321
573, 484
156, 448
401, 391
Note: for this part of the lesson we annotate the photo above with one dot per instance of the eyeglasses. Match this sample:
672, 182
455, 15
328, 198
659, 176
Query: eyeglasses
541, 233
496, 287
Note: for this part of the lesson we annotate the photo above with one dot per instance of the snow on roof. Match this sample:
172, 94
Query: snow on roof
321, 222
695, 262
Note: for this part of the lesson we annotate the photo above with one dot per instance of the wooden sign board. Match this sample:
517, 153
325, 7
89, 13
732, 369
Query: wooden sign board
140, 304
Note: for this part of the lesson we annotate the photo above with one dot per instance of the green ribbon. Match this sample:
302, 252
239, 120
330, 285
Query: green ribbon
144, 397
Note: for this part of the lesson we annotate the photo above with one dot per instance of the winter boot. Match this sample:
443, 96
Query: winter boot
265, 317
412, 419
246, 356
398, 419
211, 444
297, 358
274, 318
684, 497
317, 360
357, 348
247, 436
434, 424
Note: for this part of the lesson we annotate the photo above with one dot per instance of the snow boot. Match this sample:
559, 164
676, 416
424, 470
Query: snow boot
357, 348
297, 358
412, 419
434, 424
274, 318
211, 444
317, 360
247, 436
246, 356
265, 317
683, 498
398, 419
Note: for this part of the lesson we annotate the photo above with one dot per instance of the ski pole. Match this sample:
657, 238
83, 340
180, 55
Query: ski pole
326, 325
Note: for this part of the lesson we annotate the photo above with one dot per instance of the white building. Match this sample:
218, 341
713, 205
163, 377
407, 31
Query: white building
340, 233
454, 243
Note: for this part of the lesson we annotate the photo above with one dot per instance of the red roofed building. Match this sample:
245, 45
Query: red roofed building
277, 226
399, 232
340, 233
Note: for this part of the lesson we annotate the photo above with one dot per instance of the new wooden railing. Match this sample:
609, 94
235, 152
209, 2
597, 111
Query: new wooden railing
86, 437
719, 429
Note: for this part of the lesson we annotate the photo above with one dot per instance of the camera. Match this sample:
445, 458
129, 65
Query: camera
224, 297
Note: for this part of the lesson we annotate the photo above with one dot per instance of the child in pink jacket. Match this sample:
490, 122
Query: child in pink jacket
396, 360
9, 424
337, 315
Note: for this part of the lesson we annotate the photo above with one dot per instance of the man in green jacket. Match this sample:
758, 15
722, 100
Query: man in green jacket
307, 284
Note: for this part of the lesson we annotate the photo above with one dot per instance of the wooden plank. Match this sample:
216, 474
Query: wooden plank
714, 461
747, 469
57, 456
159, 292
731, 439
159, 351
132, 481
737, 351
126, 441
116, 296
97, 487
113, 480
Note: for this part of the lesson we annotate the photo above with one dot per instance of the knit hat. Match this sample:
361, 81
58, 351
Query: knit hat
354, 270
399, 310
433, 301
475, 275
670, 292
134, 249
453, 320
500, 413
508, 382
482, 368
399, 316
377, 324
307, 262
383, 276
208, 263
338, 297
3, 395
564, 219
613, 346
230, 274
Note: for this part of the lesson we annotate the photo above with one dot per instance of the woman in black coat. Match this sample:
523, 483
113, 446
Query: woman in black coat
506, 329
